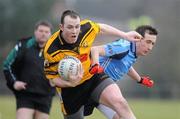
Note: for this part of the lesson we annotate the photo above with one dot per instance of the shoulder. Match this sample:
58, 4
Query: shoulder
120, 42
88, 24
25, 42
86, 21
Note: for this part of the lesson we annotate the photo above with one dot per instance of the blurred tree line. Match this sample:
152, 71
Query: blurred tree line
17, 19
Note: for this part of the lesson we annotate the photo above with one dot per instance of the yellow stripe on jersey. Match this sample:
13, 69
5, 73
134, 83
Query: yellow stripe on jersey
63, 109
55, 50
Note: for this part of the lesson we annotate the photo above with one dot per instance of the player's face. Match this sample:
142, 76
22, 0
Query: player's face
146, 44
71, 29
42, 34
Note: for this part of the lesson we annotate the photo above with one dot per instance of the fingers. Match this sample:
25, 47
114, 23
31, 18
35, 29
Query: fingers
151, 82
78, 75
137, 35
146, 81
80, 71
74, 78
134, 36
20, 85
24, 86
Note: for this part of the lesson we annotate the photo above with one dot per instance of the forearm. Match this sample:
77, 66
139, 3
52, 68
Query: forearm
109, 30
146, 81
11, 66
59, 83
97, 51
134, 75
95, 55
10, 80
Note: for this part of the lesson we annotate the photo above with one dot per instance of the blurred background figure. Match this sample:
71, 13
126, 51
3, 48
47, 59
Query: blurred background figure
23, 69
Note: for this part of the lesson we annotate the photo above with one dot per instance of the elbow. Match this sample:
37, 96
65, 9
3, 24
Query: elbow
93, 49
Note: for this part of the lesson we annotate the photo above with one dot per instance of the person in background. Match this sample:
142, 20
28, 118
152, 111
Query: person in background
75, 38
24, 72
116, 60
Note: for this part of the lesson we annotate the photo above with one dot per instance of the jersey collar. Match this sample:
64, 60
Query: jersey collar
133, 48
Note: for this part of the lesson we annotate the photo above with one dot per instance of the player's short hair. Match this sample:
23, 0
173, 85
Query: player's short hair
146, 29
70, 13
43, 23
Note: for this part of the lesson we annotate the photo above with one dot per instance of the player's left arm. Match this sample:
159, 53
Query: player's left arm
146, 81
96, 51
109, 30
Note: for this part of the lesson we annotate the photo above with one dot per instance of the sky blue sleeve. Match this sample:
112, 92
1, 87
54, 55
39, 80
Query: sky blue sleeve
116, 47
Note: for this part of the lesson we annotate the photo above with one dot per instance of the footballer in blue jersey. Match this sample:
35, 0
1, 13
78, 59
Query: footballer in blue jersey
116, 59
119, 57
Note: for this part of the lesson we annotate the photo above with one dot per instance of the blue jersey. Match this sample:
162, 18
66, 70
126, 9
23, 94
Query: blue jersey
119, 56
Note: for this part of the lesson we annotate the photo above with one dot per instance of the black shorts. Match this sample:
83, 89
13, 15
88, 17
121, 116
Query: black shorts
76, 97
34, 101
89, 107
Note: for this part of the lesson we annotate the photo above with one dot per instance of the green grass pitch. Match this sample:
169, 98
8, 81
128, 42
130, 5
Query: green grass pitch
143, 109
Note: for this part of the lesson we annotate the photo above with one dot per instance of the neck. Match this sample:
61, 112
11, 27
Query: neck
63, 38
41, 45
137, 49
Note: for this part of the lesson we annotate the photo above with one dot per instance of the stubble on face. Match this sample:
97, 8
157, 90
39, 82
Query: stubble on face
42, 34
146, 44
70, 29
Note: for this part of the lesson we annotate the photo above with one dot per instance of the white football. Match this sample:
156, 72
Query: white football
68, 64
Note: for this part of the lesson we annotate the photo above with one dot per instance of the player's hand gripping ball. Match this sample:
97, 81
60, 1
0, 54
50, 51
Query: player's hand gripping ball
68, 65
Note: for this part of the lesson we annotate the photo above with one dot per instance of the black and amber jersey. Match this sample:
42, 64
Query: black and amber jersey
57, 48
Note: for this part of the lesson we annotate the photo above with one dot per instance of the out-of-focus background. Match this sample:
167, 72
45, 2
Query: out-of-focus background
17, 19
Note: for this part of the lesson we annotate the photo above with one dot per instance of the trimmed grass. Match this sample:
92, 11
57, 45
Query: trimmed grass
143, 109
156, 109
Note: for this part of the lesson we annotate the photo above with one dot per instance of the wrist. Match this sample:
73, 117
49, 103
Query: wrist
14, 84
140, 80
124, 35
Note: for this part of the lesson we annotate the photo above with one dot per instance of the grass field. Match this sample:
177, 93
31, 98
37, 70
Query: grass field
143, 109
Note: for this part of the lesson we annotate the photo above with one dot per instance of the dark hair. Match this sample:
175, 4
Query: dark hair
70, 13
146, 29
43, 23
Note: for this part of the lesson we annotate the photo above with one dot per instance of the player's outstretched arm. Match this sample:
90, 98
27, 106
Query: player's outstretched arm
109, 30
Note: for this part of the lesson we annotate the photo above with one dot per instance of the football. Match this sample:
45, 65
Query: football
68, 64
